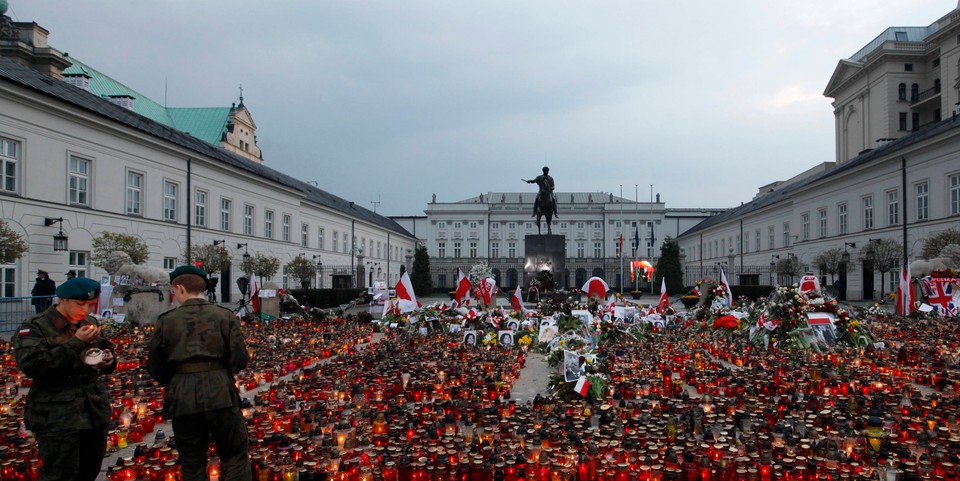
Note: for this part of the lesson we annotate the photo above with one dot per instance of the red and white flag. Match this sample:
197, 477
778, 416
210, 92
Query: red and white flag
517, 301
463, 289
471, 314
664, 298
406, 299
809, 282
611, 304
726, 285
595, 286
583, 386
255, 298
488, 288
905, 292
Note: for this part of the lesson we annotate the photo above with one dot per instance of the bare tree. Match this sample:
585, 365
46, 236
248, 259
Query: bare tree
885, 255
831, 262
935, 243
789, 266
213, 258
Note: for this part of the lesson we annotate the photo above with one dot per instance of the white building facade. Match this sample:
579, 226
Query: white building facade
71, 155
906, 189
491, 228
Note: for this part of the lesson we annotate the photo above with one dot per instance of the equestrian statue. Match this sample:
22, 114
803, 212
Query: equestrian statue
546, 203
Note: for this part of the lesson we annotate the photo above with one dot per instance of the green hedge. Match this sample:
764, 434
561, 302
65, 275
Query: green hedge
325, 298
751, 292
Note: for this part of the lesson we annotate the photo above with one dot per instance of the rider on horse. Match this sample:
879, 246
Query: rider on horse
545, 196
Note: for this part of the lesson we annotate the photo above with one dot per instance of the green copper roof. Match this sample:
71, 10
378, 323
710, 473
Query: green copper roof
204, 123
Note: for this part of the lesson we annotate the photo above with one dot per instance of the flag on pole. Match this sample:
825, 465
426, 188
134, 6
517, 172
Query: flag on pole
255, 299
583, 386
636, 239
726, 285
905, 292
406, 299
620, 246
488, 288
664, 298
463, 289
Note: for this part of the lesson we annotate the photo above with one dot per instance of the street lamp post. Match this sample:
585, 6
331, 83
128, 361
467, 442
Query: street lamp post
59, 239
319, 271
773, 265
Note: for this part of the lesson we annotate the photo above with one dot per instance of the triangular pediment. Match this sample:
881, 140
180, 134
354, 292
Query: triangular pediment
845, 70
242, 115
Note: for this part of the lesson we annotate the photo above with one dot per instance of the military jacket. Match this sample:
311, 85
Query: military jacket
197, 332
66, 395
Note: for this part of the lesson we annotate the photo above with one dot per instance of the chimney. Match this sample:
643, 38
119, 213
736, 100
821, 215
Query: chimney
26, 44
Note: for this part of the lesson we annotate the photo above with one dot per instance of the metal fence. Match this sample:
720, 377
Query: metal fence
14, 310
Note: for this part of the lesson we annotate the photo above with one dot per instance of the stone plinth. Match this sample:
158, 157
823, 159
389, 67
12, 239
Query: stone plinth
544, 252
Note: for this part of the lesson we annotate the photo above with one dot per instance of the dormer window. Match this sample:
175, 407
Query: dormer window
79, 81
125, 101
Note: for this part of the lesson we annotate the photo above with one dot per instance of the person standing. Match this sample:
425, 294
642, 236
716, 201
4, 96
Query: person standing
195, 350
43, 291
68, 407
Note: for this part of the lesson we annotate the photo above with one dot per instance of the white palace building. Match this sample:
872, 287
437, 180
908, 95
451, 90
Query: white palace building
83, 153
491, 228
896, 174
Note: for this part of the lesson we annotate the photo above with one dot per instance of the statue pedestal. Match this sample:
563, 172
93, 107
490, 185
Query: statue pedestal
544, 252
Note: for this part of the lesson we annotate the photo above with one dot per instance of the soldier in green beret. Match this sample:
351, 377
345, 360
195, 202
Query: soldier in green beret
68, 406
195, 350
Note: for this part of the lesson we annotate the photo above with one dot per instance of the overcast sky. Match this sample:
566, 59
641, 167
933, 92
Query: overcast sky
397, 100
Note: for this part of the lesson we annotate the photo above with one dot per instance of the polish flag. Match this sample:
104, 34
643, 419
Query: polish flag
255, 298
463, 289
809, 282
595, 286
611, 304
517, 301
664, 298
723, 280
488, 288
583, 386
406, 299
905, 292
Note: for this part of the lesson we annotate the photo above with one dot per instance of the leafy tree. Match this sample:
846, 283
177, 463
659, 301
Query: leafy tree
831, 262
301, 269
935, 243
214, 258
12, 245
951, 252
422, 283
106, 243
669, 267
260, 265
885, 254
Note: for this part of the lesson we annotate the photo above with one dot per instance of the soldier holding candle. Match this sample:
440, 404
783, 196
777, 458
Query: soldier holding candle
68, 407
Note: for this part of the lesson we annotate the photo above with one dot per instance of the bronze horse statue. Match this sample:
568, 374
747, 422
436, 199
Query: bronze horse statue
545, 206
546, 203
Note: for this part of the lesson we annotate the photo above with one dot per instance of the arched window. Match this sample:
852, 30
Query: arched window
581, 278
914, 92
566, 279
511, 278
598, 272
497, 277
902, 92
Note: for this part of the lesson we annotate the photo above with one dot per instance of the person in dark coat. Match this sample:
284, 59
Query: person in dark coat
195, 351
68, 407
42, 291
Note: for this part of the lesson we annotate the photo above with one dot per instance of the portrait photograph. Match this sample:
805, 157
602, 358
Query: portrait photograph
470, 338
505, 338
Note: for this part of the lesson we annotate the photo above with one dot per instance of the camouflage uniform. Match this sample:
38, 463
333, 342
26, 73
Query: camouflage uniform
194, 352
67, 406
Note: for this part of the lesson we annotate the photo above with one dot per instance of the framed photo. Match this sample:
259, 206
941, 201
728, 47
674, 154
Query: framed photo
583, 314
505, 338
547, 321
822, 325
470, 338
105, 280
547, 332
513, 324
571, 366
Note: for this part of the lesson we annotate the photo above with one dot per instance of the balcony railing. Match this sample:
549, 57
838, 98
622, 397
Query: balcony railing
926, 94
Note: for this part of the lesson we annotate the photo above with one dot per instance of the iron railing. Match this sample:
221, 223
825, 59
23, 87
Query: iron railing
14, 310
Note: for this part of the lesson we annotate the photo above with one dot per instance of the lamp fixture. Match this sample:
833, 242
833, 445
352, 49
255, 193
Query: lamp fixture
60, 239
852, 245
246, 255
218, 242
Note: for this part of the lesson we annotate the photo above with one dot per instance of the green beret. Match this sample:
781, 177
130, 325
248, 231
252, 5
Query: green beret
187, 270
79, 288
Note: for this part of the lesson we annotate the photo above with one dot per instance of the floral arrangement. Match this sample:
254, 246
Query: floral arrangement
782, 319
